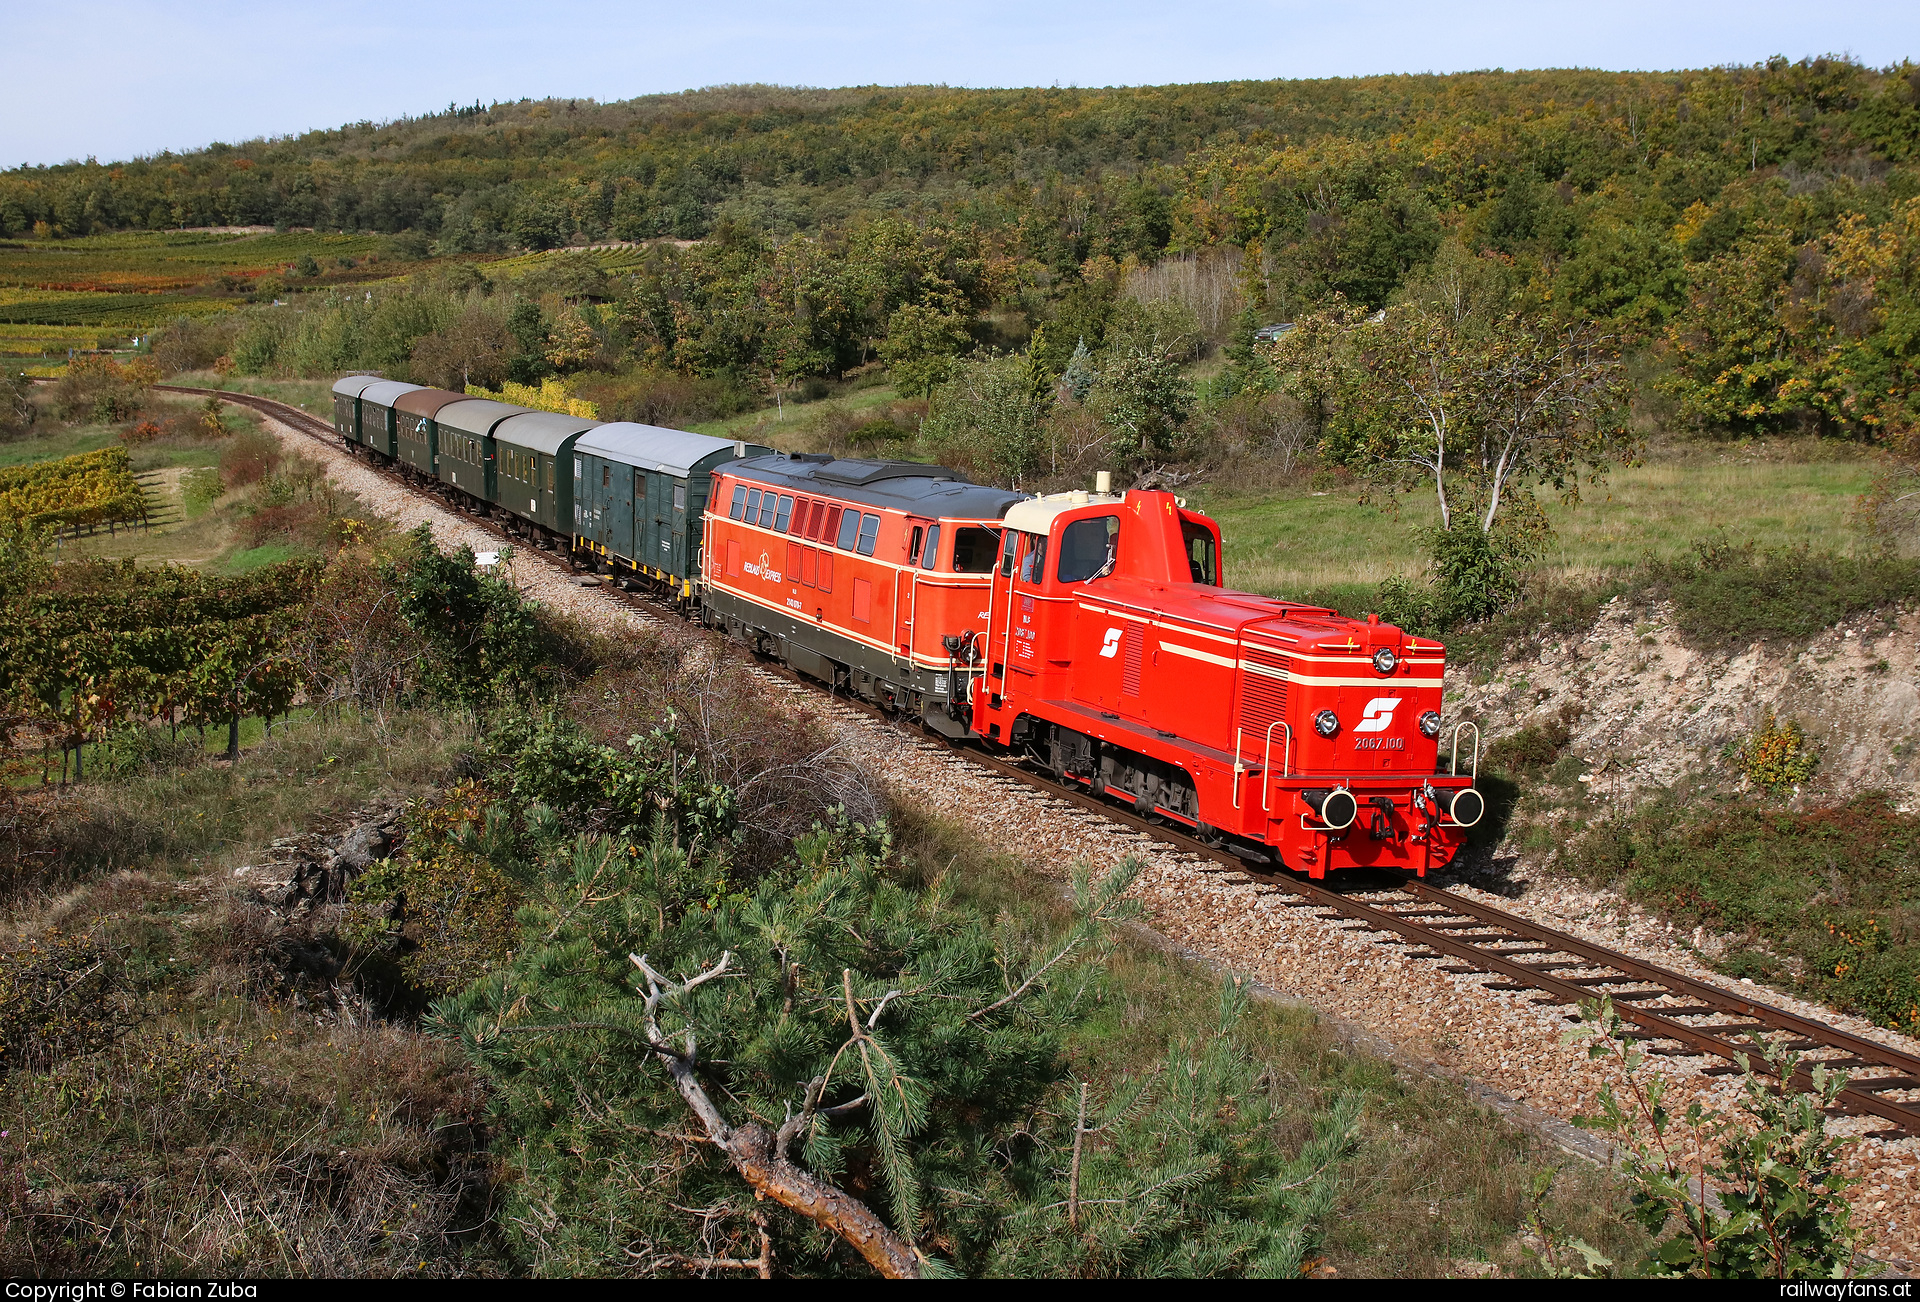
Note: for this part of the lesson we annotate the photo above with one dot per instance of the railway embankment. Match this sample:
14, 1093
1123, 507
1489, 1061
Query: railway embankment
1646, 712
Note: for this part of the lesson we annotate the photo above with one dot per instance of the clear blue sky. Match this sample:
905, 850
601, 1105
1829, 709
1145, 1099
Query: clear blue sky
119, 78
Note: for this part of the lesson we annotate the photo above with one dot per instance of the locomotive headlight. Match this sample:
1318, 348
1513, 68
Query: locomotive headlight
1430, 724
1326, 723
1385, 661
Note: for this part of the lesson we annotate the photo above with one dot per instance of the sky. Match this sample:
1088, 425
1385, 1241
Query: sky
117, 79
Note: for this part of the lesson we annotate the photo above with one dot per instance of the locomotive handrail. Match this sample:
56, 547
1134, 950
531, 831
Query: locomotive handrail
1239, 769
1266, 766
1453, 765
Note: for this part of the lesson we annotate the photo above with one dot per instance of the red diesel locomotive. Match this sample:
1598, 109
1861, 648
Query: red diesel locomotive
1090, 632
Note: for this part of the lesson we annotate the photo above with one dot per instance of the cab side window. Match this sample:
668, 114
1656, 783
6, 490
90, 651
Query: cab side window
1203, 557
1088, 548
1033, 566
930, 550
869, 533
973, 551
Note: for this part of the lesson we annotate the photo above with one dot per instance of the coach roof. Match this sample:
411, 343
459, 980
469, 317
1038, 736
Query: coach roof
417, 401
387, 392
542, 431
351, 386
896, 485
475, 415
651, 447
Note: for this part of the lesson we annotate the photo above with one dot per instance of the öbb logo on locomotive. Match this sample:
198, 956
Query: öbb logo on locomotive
1378, 716
991, 616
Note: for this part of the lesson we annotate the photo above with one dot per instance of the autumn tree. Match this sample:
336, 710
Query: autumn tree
474, 349
1478, 411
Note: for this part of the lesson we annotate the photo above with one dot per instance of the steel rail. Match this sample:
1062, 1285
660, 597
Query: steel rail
1431, 930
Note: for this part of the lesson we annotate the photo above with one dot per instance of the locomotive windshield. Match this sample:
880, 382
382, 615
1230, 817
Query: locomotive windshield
1087, 548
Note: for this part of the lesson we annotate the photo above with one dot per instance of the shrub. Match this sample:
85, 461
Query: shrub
199, 489
248, 458
1725, 593
1775, 756
1534, 748
100, 389
1782, 1210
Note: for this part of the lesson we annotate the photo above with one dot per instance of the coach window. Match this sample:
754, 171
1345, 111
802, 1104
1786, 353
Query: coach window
679, 497
739, 502
606, 476
1203, 557
930, 553
785, 514
576, 467
549, 476
1033, 566
869, 533
973, 551
849, 530
753, 506
1088, 548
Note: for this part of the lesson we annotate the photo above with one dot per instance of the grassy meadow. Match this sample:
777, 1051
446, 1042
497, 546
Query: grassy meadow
1322, 541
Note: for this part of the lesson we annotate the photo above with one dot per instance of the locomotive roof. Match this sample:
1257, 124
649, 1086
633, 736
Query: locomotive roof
427, 402
351, 386
387, 392
653, 447
542, 431
898, 485
475, 415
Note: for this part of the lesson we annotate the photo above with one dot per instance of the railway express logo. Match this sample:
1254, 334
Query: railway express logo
1111, 645
1378, 716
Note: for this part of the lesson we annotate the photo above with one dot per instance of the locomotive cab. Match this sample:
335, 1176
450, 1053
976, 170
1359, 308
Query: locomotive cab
1115, 658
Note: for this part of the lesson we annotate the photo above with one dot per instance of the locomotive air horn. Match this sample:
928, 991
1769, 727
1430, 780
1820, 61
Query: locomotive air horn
1103, 481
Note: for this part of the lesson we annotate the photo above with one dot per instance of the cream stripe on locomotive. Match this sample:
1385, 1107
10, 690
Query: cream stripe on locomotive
835, 629
1195, 653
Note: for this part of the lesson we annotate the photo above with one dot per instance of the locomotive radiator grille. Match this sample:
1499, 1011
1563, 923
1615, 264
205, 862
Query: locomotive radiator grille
1130, 665
1263, 696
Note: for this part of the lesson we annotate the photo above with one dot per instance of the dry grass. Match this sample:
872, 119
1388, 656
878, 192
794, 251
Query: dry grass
222, 1131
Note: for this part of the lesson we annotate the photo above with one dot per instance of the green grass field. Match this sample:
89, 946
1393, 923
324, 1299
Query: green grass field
1304, 541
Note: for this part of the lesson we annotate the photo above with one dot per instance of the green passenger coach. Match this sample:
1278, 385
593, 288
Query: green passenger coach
639, 492
414, 444
346, 405
463, 444
378, 418
532, 479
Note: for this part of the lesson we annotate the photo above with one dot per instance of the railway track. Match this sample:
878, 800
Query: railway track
1673, 1015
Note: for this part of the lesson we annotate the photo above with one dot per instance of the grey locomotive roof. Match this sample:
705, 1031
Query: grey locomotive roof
542, 431
386, 392
652, 447
898, 485
350, 386
475, 415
